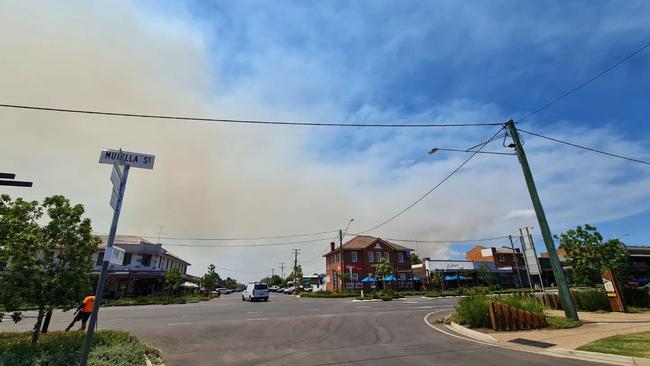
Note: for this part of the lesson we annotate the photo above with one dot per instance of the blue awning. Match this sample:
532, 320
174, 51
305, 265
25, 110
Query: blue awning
390, 278
368, 279
417, 278
454, 278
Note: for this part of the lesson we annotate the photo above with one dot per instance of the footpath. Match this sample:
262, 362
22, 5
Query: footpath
564, 342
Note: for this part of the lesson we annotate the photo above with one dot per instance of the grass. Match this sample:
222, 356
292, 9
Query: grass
155, 300
329, 294
633, 345
556, 322
114, 348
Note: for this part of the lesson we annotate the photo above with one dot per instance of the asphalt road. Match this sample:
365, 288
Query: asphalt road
300, 331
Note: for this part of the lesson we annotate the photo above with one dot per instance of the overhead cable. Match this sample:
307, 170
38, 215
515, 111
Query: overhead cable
242, 121
585, 147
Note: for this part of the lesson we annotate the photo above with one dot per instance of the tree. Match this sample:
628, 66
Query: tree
209, 280
415, 259
344, 277
296, 275
590, 256
230, 283
383, 269
48, 265
275, 280
173, 280
436, 280
484, 274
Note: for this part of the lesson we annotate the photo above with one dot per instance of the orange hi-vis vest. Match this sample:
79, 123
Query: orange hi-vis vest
88, 302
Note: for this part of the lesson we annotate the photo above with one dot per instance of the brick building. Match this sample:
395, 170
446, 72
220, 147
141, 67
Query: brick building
360, 257
503, 261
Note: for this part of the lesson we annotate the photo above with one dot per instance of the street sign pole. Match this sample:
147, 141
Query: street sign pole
562, 284
122, 161
102, 277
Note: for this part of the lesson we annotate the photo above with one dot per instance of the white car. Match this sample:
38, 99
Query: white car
255, 291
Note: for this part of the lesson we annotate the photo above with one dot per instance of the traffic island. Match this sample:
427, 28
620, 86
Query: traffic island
115, 348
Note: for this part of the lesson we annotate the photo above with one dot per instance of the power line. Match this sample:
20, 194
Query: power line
236, 239
242, 121
585, 147
612, 67
245, 245
240, 271
435, 187
448, 241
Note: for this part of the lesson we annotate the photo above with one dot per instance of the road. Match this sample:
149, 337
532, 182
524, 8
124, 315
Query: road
301, 331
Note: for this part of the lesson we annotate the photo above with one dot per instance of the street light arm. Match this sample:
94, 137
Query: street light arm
436, 149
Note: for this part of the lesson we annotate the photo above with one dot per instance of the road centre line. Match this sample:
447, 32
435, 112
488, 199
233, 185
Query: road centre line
253, 312
250, 320
179, 324
189, 315
313, 309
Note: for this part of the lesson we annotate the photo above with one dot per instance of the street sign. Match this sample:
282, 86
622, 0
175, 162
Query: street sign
114, 198
115, 255
116, 177
133, 159
530, 254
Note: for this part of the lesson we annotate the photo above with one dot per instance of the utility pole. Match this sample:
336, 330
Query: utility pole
295, 262
272, 272
341, 257
160, 230
514, 255
282, 269
558, 273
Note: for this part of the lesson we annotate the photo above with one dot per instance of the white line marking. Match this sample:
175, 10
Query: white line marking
411, 302
253, 312
250, 320
364, 307
179, 324
323, 315
190, 315
313, 309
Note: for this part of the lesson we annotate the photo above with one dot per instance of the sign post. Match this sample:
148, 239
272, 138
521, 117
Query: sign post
121, 161
530, 254
614, 292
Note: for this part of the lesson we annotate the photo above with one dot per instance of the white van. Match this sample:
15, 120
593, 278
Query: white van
255, 291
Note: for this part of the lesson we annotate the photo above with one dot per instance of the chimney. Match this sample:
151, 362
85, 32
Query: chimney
332, 246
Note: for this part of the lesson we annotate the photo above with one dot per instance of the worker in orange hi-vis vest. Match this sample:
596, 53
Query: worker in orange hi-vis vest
83, 312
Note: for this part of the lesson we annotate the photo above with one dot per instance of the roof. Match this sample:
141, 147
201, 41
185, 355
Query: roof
363, 241
504, 250
137, 244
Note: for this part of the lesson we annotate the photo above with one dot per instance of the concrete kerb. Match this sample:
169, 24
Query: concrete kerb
473, 336
471, 333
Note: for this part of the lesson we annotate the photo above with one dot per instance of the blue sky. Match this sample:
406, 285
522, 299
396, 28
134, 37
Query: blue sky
392, 61
334, 61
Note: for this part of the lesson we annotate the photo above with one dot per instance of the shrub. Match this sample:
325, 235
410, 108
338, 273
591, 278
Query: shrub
473, 311
113, 348
636, 297
329, 294
592, 300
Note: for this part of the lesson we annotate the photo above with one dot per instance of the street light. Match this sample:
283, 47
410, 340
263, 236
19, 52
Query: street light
436, 149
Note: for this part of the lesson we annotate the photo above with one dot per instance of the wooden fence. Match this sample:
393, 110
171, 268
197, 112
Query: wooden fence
504, 317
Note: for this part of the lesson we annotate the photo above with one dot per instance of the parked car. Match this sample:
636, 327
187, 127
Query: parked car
274, 288
224, 291
255, 291
290, 290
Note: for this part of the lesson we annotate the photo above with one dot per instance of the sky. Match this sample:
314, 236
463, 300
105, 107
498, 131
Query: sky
361, 62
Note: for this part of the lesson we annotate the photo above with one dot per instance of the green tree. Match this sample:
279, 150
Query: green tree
590, 256
436, 280
296, 275
415, 259
345, 278
209, 280
383, 269
484, 274
274, 280
48, 264
230, 283
173, 280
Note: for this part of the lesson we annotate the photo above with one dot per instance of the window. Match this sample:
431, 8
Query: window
400, 257
501, 258
402, 276
353, 255
261, 286
100, 258
167, 261
370, 258
145, 260
355, 277
127, 259
377, 256
387, 256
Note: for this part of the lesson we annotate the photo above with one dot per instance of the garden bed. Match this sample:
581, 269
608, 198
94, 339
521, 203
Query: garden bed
110, 348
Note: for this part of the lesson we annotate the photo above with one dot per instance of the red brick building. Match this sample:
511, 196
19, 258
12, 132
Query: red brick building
360, 257
503, 261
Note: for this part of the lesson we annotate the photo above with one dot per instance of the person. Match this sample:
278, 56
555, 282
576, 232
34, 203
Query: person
83, 312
